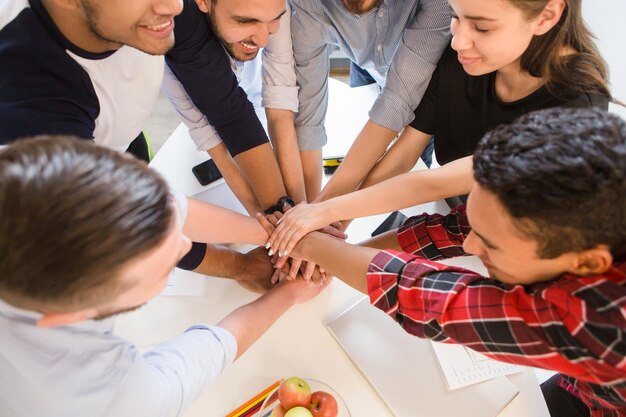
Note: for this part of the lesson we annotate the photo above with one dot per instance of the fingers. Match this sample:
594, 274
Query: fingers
295, 267
275, 276
308, 270
290, 240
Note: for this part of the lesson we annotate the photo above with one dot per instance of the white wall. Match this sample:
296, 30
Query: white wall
607, 20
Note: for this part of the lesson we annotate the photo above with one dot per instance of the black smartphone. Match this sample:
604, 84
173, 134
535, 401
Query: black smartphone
206, 172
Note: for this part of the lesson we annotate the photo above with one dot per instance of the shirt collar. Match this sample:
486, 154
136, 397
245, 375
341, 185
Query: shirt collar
30, 317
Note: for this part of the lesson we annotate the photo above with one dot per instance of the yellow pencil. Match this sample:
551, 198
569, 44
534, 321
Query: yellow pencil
254, 400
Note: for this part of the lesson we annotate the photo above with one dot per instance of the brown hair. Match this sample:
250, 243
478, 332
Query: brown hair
73, 214
583, 71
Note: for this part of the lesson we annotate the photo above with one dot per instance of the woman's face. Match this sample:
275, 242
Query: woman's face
490, 35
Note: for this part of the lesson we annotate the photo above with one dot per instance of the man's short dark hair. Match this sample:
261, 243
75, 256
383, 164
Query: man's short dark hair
561, 175
73, 214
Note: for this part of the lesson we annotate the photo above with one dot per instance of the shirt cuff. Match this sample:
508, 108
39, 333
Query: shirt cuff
280, 97
412, 235
205, 137
311, 138
390, 113
224, 337
383, 275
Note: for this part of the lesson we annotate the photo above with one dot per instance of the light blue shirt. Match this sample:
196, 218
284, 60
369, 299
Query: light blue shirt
85, 370
399, 43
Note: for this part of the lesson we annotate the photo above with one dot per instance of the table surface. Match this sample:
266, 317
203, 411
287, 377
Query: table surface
299, 342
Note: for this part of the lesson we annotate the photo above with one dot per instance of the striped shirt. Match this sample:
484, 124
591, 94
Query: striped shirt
399, 43
573, 325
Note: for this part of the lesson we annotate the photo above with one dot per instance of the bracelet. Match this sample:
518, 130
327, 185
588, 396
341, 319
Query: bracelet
280, 205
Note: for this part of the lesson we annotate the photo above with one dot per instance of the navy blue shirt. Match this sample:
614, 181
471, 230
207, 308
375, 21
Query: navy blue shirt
49, 86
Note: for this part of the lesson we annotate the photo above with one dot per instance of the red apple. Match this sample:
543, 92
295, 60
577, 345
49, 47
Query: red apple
294, 392
278, 411
323, 404
298, 412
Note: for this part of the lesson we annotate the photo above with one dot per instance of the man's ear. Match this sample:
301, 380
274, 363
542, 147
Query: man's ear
61, 319
203, 5
593, 261
550, 16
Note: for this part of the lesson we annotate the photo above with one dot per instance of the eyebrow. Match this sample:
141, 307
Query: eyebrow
480, 18
251, 19
484, 239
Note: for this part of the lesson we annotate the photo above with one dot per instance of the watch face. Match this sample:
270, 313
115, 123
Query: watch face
285, 201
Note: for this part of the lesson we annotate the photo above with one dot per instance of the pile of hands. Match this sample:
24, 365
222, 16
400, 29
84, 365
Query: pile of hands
285, 232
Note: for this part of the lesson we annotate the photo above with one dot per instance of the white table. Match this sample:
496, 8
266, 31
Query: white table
299, 343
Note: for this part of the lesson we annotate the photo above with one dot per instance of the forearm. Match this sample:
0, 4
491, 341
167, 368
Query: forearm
259, 168
402, 191
250, 322
368, 147
343, 260
221, 262
214, 224
234, 179
282, 133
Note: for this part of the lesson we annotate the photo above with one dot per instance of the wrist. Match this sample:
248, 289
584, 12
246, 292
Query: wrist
329, 211
305, 247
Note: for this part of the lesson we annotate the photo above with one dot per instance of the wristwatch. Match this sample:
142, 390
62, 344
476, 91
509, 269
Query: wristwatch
280, 205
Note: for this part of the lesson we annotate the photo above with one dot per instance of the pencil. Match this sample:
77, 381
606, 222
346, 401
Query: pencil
242, 410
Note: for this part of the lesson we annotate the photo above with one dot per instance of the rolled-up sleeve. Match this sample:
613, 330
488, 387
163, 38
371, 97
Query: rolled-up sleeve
423, 42
199, 62
165, 380
202, 133
312, 58
280, 89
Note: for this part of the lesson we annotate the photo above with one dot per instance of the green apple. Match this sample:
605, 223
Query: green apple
298, 412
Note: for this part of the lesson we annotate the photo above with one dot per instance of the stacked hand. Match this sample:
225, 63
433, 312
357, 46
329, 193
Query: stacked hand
288, 261
295, 224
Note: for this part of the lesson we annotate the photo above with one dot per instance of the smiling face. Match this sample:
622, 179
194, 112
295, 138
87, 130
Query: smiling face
147, 25
243, 26
491, 35
508, 256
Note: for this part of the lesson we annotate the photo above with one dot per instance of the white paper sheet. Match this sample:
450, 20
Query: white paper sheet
463, 366
185, 283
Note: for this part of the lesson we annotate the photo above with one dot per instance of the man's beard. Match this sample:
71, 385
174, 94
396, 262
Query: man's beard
91, 14
228, 46
356, 6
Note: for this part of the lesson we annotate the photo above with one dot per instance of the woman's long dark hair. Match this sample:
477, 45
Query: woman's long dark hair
566, 74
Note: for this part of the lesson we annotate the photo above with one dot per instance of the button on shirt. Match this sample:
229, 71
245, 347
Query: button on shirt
85, 370
399, 43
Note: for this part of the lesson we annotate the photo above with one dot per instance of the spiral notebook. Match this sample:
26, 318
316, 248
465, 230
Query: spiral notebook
404, 371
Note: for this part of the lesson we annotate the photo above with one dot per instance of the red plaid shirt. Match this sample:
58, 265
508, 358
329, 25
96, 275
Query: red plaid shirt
573, 325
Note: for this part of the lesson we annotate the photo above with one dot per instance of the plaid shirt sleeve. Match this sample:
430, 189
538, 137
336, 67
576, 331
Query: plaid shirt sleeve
573, 325
433, 236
